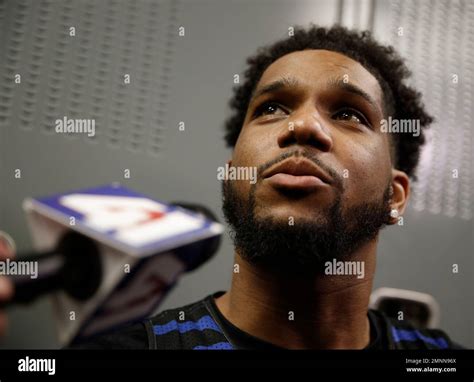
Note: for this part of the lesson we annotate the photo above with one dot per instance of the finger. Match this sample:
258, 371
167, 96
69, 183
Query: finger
6, 289
3, 324
5, 250
7, 245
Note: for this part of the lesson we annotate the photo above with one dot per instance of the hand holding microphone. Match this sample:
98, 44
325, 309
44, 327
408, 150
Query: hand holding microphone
74, 266
114, 264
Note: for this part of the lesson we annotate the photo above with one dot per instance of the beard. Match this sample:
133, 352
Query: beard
302, 248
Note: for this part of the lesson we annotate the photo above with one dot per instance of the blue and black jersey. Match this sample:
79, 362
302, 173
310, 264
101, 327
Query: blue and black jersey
201, 326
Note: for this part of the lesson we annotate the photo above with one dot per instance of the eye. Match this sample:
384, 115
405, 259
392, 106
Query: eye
268, 108
351, 115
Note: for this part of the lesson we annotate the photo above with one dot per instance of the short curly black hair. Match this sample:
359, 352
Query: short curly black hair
400, 100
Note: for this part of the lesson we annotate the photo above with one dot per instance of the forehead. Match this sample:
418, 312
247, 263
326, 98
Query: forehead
313, 67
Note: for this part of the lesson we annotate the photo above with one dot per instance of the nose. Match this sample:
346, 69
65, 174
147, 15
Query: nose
304, 129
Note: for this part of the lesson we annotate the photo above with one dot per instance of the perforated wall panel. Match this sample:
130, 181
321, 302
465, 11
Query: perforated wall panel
74, 59
437, 40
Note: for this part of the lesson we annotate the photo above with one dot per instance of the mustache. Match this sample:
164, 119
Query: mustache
336, 177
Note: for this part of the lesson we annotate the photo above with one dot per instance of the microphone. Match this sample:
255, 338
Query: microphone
74, 266
108, 255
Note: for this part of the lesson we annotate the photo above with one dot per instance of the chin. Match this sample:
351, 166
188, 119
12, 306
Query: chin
287, 214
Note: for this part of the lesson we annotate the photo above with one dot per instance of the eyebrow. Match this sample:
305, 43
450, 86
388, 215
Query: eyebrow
273, 87
334, 82
340, 84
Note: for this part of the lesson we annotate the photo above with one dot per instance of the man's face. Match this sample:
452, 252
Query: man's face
312, 130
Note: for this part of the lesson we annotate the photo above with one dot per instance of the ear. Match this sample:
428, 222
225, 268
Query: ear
400, 193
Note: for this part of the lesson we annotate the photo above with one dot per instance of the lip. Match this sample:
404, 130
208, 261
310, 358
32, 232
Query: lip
299, 174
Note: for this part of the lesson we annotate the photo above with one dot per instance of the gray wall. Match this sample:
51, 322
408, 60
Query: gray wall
173, 79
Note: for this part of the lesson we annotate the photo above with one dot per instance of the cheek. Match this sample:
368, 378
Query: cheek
253, 147
369, 171
244, 155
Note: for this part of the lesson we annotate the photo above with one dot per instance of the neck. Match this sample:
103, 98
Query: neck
324, 312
